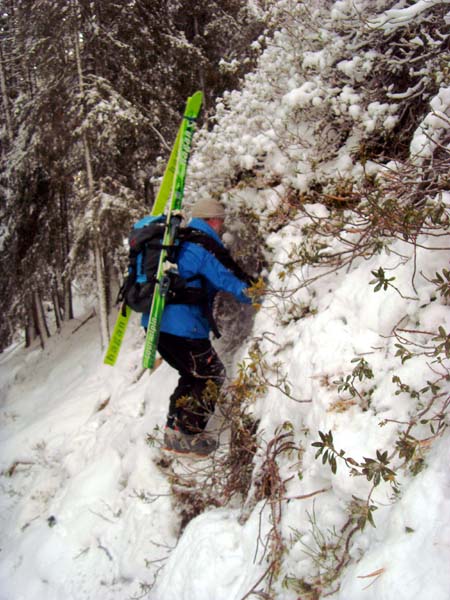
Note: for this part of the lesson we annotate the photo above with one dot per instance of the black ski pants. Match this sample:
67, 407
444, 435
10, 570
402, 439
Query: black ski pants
201, 376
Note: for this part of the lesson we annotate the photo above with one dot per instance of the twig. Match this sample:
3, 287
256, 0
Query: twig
105, 550
84, 322
12, 469
306, 496
263, 576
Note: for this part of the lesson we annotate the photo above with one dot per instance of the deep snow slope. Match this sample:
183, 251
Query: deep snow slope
83, 504
88, 508
88, 513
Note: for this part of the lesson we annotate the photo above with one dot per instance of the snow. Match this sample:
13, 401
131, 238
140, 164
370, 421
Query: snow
396, 17
434, 127
74, 436
301, 96
413, 548
89, 510
87, 513
214, 540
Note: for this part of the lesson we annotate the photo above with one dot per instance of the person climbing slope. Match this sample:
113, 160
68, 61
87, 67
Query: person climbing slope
185, 330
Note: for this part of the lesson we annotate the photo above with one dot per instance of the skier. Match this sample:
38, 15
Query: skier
184, 337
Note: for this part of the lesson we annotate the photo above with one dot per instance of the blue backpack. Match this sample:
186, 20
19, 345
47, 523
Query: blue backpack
145, 242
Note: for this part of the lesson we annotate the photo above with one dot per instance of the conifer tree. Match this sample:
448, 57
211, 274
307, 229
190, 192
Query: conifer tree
91, 95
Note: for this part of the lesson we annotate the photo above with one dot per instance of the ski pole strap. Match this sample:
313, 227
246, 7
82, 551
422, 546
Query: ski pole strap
129, 280
164, 286
211, 320
207, 308
181, 293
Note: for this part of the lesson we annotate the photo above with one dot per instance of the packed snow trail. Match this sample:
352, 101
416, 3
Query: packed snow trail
85, 510
83, 505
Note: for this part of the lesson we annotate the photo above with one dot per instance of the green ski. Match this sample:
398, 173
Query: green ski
117, 335
173, 221
166, 185
159, 206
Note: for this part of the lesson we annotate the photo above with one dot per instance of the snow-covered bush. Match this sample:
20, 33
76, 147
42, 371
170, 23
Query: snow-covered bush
335, 91
340, 138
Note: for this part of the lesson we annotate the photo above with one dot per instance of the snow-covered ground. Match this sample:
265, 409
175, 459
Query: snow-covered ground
89, 510
75, 463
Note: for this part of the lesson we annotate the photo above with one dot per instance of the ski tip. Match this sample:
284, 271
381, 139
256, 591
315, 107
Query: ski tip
194, 104
197, 96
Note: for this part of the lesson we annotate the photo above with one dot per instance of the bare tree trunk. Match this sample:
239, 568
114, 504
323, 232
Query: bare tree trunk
30, 333
68, 304
10, 327
104, 325
39, 319
99, 268
64, 283
201, 77
30, 329
44, 319
5, 100
57, 308
108, 281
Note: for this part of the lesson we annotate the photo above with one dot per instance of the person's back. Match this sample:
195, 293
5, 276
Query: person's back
201, 269
184, 338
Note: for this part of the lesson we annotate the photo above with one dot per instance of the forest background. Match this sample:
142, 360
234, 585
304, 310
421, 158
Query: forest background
91, 99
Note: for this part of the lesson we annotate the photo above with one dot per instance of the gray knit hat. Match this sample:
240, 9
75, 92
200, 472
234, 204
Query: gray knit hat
208, 208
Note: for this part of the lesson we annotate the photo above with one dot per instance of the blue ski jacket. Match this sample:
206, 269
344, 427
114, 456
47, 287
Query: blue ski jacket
189, 320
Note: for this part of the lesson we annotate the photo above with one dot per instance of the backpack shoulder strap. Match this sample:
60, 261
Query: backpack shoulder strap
189, 234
